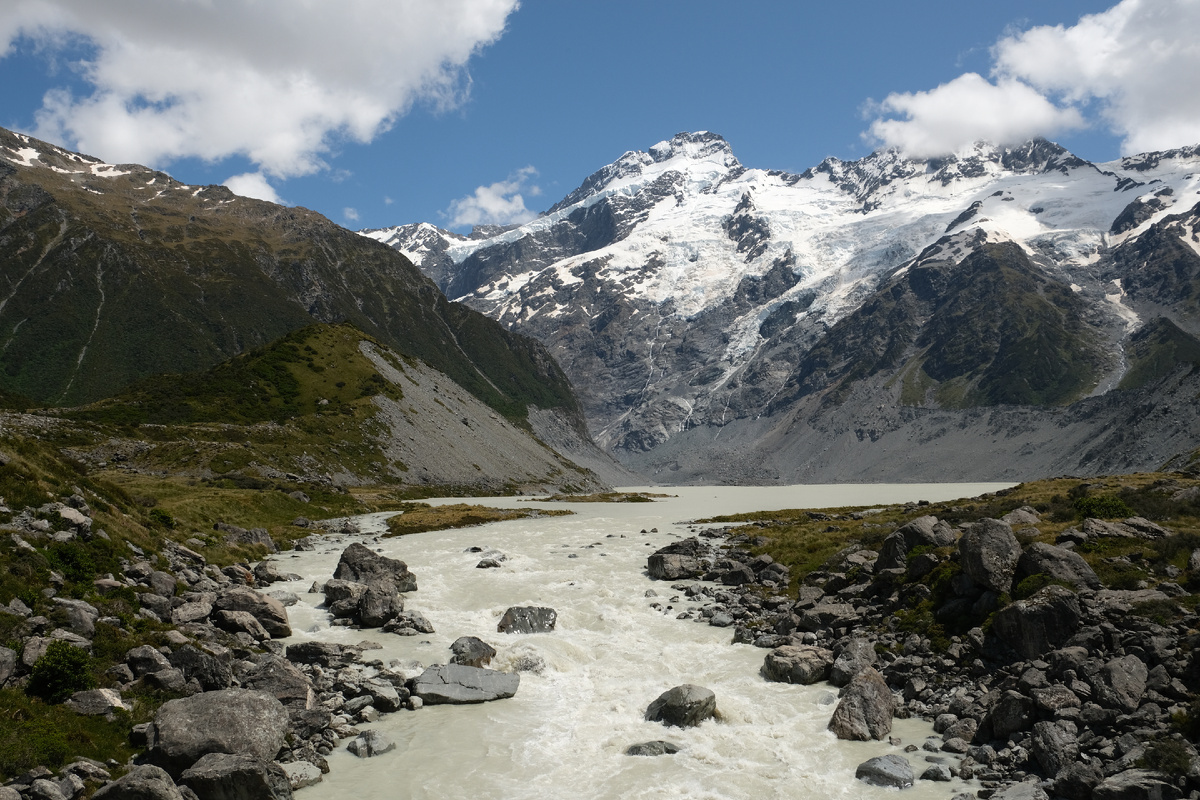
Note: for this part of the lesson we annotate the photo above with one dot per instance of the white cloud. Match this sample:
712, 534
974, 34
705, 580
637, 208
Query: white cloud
275, 81
498, 204
966, 110
253, 184
1133, 69
350, 214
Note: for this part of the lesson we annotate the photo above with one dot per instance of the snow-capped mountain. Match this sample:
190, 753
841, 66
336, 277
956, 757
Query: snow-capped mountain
683, 292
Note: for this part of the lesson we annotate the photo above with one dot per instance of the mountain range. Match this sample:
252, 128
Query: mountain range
879, 319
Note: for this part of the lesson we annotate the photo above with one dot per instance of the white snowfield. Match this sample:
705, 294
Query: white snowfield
845, 223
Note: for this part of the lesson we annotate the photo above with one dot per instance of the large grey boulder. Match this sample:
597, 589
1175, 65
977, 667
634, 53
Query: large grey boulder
279, 678
267, 610
527, 619
678, 560
1021, 791
857, 655
1039, 624
471, 651
989, 552
146, 659
379, 606
684, 706
1077, 780
458, 684
800, 664
97, 702
225, 776
866, 708
80, 616
8, 664
1053, 747
1135, 784
361, 564
825, 615
227, 721
890, 770
145, 782
371, 743
327, 654
1057, 562
240, 622
1012, 712
1121, 683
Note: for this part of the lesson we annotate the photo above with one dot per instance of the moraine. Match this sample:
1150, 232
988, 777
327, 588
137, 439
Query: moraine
610, 655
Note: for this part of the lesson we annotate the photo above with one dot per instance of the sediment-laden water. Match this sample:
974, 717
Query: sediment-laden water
565, 732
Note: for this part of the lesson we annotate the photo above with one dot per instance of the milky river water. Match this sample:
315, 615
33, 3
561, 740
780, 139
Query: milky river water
611, 654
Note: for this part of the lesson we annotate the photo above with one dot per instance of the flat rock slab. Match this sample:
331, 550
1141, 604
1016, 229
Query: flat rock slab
458, 684
301, 773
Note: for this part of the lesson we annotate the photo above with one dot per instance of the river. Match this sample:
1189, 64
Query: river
564, 733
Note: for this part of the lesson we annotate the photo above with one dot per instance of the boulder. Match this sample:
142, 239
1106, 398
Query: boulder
1135, 784
80, 616
1021, 791
989, 552
279, 678
239, 536
326, 654
527, 619
1025, 515
226, 776
162, 583
1013, 712
240, 622
267, 610
1053, 747
379, 606
371, 743
362, 565
457, 684
658, 747
409, 623
97, 702
1057, 562
1039, 624
684, 706
336, 590
231, 721
8, 664
826, 615
146, 659
678, 560
145, 782
800, 664
1121, 683
301, 774
1077, 781
891, 770
857, 655
866, 708
470, 651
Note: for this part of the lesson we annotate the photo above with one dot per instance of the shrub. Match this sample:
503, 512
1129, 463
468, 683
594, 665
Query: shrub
1167, 756
161, 517
1102, 507
63, 670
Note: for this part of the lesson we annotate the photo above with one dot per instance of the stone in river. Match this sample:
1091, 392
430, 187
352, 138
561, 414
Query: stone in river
890, 770
527, 619
684, 706
458, 684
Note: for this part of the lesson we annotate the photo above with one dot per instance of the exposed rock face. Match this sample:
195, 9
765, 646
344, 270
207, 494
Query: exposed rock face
797, 664
685, 706
234, 721
989, 554
528, 619
890, 770
1042, 623
866, 708
458, 684
224, 776
362, 565
145, 782
1057, 562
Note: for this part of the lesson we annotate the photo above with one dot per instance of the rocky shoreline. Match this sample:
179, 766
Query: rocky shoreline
1073, 692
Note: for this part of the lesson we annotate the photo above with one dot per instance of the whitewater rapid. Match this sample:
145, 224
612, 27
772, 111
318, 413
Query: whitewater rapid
611, 654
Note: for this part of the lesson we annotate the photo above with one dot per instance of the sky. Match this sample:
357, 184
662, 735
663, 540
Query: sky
463, 112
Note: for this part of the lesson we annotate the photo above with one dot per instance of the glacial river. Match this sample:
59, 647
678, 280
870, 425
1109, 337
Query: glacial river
564, 733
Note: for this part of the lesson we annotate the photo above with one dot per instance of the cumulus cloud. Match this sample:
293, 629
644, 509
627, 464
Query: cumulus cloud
253, 184
498, 204
1133, 69
276, 81
350, 214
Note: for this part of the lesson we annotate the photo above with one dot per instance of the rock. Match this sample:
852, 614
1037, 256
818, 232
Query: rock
237, 536
1057, 562
378, 606
825, 615
458, 684
937, 772
658, 747
989, 553
301, 774
267, 610
288, 599
97, 702
166, 680
228, 721
1052, 699
362, 565
145, 782
866, 708
857, 655
371, 743
81, 616
890, 770
1042, 623
240, 622
1021, 791
471, 651
1025, 515
43, 789
684, 706
1013, 712
384, 696
226, 776
336, 590
162, 584
280, 679
195, 611
673, 566
1134, 784
1053, 747
1077, 781
8, 664
409, 623
800, 664
267, 572
527, 619
326, 654
893, 553
1121, 683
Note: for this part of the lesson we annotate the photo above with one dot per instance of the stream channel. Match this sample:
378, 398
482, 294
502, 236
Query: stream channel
611, 654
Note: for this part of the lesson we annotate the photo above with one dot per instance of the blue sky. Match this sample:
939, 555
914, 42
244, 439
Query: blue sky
534, 99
